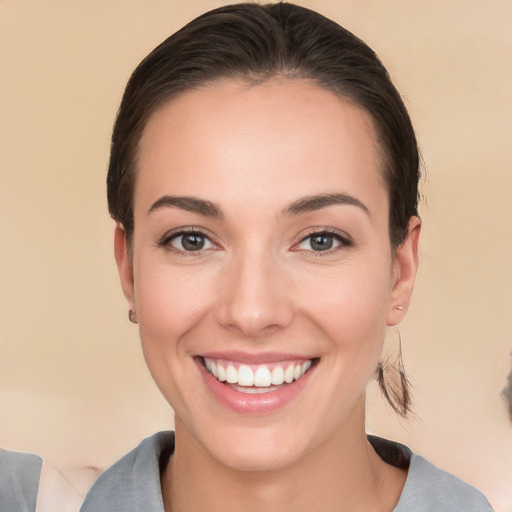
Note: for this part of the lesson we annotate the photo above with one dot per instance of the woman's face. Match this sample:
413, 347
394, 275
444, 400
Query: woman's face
261, 255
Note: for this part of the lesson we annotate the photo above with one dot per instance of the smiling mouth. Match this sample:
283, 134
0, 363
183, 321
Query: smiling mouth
257, 379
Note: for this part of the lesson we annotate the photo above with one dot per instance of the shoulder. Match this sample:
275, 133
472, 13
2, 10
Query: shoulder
19, 480
428, 488
133, 483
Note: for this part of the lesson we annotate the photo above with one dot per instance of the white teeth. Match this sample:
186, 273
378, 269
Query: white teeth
253, 390
231, 374
250, 390
262, 377
259, 381
245, 376
221, 373
288, 374
277, 376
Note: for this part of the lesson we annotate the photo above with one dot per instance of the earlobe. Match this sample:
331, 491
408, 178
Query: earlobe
124, 264
405, 268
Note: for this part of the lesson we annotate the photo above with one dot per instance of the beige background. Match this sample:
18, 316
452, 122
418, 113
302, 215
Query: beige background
73, 384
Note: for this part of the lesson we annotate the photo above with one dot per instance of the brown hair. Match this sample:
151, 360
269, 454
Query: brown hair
254, 43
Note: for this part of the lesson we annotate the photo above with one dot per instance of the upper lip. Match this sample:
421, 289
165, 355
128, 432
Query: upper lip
255, 358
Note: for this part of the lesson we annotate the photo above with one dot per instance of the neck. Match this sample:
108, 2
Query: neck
343, 474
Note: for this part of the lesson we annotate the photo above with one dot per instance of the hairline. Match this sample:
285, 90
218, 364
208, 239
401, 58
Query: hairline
257, 79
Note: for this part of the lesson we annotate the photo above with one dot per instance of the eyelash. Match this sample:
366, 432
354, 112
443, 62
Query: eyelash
168, 238
342, 239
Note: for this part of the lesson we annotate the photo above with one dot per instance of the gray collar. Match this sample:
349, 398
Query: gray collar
133, 483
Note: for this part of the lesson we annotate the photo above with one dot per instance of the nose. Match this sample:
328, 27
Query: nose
255, 296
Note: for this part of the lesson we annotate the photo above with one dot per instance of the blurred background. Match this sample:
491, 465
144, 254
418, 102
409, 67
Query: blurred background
73, 384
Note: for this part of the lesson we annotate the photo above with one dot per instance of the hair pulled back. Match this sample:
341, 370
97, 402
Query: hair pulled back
254, 43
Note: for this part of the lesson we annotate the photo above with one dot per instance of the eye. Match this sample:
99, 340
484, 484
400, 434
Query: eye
188, 241
322, 241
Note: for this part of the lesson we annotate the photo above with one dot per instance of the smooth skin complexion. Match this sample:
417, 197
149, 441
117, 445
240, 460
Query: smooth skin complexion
262, 239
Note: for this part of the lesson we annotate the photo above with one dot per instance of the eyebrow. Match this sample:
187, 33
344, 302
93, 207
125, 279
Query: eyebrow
302, 205
317, 202
191, 204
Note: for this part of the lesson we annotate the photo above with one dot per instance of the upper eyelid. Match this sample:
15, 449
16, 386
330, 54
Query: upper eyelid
181, 231
185, 230
330, 231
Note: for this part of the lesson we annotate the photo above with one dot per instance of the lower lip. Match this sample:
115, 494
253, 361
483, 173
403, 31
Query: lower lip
245, 403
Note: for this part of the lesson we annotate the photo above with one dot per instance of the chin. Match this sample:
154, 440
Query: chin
261, 454
255, 448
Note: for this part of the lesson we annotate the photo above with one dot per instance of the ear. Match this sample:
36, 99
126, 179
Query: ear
124, 265
405, 266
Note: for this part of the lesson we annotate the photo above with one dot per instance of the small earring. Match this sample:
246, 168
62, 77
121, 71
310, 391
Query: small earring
132, 317
399, 307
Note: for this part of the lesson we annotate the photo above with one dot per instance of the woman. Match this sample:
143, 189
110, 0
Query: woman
263, 178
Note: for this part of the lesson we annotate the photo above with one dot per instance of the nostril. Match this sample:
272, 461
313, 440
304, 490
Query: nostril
254, 300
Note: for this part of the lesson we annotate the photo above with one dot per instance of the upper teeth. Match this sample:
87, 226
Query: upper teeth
260, 376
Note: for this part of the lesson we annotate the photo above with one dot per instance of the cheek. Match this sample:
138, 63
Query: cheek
350, 303
351, 312
170, 302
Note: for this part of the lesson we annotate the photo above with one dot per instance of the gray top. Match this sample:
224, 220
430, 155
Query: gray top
133, 483
19, 481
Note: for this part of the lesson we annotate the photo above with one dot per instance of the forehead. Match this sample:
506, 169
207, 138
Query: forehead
239, 138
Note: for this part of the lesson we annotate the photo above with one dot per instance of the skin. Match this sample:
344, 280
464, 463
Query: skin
258, 286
